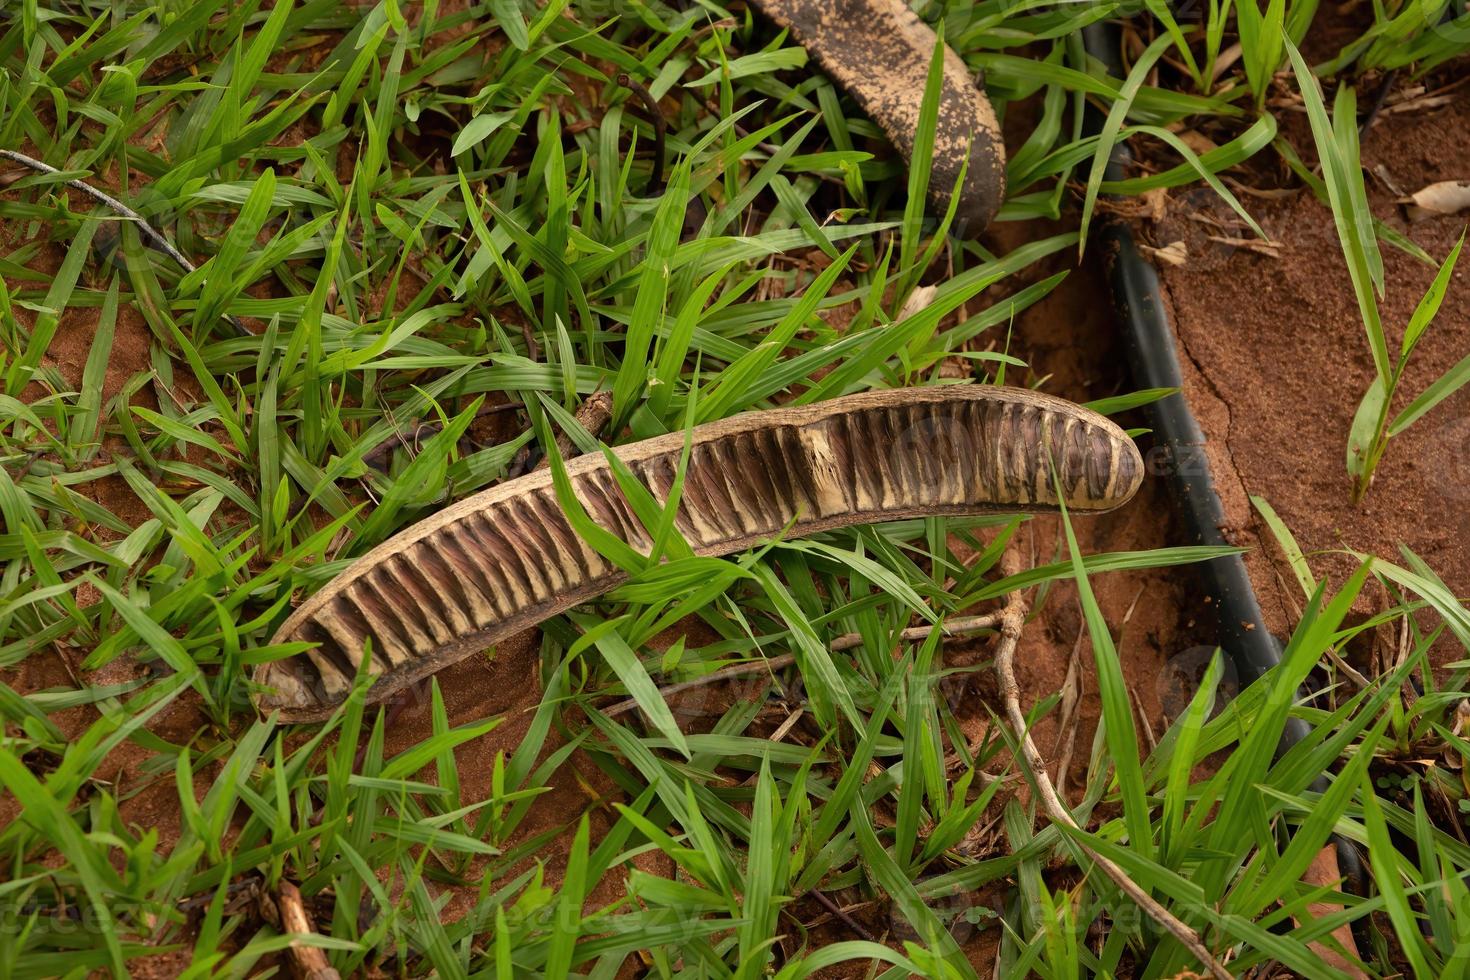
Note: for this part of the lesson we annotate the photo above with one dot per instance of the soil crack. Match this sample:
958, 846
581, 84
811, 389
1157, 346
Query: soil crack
1199, 369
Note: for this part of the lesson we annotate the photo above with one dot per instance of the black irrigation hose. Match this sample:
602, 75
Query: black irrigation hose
656, 118
1154, 363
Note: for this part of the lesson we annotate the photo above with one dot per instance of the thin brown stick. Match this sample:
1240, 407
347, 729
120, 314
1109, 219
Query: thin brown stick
1071, 700
1380, 98
847, 920
960, 626
1012, 618
310, 962
144, 228
533, 349
785, 727
713, 677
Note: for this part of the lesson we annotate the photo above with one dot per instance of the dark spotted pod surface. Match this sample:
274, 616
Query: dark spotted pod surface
507, 558
879, 52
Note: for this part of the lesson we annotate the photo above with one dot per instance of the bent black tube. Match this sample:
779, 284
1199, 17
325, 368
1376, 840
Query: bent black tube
656, 118
1180, 453
1154, 363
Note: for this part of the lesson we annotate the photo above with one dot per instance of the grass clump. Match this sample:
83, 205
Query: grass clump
444, 226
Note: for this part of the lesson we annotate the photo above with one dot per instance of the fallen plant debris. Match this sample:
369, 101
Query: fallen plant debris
893, 63
499, 562
1174, 253
150, 234
1011, 621
1440, 198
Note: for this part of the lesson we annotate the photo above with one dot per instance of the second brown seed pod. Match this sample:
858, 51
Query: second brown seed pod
879, 52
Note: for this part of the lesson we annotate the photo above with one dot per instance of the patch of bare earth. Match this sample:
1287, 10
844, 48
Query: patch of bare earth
1276, 361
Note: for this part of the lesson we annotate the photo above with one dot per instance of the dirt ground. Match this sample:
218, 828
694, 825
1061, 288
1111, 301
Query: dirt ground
1276, 360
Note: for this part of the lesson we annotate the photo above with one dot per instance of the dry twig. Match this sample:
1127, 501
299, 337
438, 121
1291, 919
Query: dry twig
151, 234
1012, 618
593, 416
656, 117
310, 962
841, 914
960, 626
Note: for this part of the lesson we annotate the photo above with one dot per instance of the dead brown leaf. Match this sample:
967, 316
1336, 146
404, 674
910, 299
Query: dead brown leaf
1175, 253
1443, 197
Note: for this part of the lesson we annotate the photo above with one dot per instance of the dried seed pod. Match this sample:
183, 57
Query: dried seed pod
879, 52
507, 558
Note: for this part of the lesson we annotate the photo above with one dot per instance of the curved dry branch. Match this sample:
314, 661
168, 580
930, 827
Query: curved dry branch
507, 558
1013, 617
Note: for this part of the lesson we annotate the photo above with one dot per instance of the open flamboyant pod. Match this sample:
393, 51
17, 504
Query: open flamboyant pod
879, 52
507, 558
